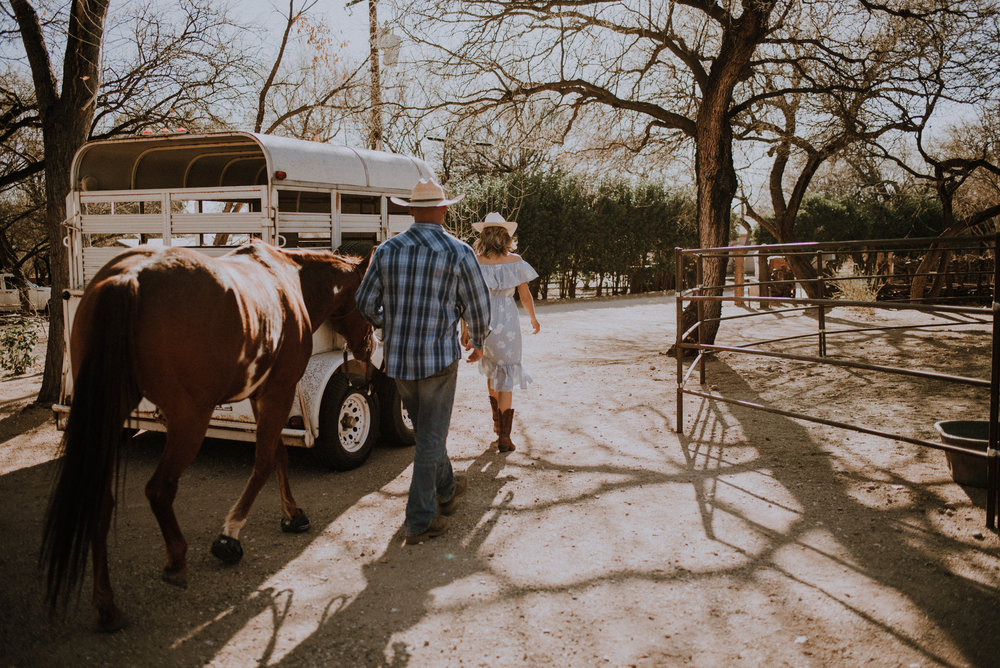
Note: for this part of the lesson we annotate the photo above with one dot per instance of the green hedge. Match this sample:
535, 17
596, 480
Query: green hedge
825, 217
615, 235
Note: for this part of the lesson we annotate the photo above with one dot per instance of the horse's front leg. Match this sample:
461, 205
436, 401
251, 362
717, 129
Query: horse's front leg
271, 408
185, 433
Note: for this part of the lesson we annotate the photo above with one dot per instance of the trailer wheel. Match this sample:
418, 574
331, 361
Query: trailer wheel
348, 424
397, 428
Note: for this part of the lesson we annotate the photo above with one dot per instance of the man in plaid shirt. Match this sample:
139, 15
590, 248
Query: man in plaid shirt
419, 285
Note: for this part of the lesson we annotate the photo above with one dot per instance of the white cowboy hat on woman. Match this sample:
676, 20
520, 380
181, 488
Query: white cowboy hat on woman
494, 219
427, 193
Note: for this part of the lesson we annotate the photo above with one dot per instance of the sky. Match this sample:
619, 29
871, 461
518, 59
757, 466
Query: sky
350, 23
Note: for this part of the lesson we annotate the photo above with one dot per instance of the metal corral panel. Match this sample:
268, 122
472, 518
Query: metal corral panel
238, 159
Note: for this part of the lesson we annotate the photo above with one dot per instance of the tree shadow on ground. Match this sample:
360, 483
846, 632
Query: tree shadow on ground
398, 584
894, 545
25, 419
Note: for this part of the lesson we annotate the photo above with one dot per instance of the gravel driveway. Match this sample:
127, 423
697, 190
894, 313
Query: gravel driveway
605, 539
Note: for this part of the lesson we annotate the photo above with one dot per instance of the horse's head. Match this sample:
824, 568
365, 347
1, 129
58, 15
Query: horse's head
328, 283
347, 321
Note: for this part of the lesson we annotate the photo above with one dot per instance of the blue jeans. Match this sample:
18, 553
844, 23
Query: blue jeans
429, 401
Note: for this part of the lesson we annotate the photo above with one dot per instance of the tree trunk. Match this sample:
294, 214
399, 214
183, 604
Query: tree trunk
803, 270
945, 188
66, 122
59, 150
932, 259
716, 186
715, 175
942, 269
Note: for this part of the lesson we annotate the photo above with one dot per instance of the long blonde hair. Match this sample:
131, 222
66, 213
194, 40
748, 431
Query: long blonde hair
493, 240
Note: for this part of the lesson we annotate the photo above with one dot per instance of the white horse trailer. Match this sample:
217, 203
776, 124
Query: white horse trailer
213, 192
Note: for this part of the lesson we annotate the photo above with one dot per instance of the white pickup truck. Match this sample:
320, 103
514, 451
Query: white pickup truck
10, 299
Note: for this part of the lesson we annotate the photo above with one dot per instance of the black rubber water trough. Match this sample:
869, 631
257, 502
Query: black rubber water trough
972, 434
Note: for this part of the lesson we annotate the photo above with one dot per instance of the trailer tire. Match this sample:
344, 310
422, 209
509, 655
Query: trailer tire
348, 424
397, 428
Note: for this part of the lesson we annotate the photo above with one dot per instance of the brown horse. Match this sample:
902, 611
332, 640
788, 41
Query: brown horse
188, 332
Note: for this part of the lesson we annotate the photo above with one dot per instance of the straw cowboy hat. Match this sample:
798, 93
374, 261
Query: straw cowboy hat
494, 219
426, 193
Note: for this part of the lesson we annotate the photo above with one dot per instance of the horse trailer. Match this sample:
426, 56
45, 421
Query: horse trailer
214, 192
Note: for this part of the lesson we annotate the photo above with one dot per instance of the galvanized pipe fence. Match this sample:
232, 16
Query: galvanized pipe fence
981, 308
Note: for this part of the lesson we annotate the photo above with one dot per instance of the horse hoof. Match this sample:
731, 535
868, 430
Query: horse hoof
114, 621
227, 549
179, 578
297, 524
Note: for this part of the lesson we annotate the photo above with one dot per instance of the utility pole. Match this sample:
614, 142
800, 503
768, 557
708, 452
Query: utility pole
375, 122
375, 133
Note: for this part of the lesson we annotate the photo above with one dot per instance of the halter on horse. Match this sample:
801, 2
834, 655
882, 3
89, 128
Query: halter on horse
188, 332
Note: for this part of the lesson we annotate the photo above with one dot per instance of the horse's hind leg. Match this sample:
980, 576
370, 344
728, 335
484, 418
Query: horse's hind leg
271, 410
185, 433
293, 520
109, 616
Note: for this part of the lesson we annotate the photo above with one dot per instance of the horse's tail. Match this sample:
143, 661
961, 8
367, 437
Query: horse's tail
105, 392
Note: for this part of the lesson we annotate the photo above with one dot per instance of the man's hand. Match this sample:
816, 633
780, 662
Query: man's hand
475, 355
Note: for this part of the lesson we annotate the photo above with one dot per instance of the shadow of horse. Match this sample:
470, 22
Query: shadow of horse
178, 627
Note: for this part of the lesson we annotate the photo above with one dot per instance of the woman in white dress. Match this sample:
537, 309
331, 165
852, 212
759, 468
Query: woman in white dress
504, 272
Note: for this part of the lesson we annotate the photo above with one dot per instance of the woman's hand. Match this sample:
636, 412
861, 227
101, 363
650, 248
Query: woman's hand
529, 305
465, 339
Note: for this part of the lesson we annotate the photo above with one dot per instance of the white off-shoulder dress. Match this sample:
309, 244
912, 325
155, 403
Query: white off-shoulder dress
501, 362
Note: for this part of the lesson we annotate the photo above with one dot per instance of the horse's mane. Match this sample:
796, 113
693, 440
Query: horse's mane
346, 261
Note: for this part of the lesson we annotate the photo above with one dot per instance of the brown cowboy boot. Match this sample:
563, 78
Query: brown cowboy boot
506, 420
496, 414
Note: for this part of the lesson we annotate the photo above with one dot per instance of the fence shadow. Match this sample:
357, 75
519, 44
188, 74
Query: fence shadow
893, 551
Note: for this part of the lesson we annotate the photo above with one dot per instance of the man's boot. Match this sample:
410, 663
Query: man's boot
506, 420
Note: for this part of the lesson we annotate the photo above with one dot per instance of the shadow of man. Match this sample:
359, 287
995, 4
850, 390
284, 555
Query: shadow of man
400, 583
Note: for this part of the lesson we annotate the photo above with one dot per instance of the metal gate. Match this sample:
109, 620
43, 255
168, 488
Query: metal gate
970, 297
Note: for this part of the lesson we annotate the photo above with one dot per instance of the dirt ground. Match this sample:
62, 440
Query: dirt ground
607, 538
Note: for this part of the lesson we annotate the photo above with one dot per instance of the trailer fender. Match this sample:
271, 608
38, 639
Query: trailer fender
313, 384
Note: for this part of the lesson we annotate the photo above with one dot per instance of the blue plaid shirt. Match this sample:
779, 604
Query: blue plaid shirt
419, 285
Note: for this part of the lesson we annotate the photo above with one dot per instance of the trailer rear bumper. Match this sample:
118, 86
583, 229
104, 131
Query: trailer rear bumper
233, 431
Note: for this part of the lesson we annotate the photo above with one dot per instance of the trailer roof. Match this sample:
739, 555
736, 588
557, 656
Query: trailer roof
238, 159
